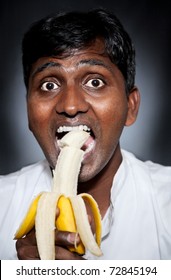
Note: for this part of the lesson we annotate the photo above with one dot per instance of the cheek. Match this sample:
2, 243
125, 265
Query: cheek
38, 115
41, 124
112, 112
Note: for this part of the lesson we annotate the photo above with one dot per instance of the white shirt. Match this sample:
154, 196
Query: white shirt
137, 224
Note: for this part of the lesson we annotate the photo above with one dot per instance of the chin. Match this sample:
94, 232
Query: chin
52, 159
87, 174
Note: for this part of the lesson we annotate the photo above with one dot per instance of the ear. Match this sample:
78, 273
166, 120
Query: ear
133, 106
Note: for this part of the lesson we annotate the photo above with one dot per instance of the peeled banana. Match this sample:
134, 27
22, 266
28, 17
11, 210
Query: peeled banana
73, 214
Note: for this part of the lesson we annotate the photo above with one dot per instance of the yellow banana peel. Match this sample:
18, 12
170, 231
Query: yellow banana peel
73, 214
29, 220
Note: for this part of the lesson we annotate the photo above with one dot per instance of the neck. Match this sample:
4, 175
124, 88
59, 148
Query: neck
100, 186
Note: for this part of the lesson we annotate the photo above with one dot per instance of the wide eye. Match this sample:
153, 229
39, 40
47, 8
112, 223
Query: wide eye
95, 83
49, 86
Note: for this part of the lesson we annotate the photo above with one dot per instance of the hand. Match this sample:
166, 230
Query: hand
27, 246
62, 240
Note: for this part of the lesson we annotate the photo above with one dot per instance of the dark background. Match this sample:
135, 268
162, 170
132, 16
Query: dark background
148, 23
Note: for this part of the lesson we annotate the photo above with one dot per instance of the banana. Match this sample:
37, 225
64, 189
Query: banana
73, 214
29, 220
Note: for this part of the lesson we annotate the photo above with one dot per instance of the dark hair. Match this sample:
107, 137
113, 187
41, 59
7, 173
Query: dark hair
61, 33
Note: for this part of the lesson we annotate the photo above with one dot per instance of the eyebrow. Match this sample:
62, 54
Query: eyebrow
45, 66
93, 62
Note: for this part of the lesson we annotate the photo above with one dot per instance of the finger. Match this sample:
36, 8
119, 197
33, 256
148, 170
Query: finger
28, 240
63, 254
27, 253
27, 247
65, 238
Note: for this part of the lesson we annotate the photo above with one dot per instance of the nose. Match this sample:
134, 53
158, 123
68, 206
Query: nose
71, 102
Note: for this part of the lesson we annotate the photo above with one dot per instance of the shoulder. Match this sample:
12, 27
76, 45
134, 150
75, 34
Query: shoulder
159, 174
30, 172
18, 189
155, 179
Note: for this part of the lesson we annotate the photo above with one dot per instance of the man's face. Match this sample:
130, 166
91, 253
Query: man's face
84, 90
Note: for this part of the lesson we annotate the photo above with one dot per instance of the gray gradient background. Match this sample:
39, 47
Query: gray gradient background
148, 23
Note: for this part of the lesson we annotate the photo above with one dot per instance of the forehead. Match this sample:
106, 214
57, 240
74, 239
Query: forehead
93, 55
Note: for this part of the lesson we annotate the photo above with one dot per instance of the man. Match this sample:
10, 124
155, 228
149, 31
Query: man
79, 71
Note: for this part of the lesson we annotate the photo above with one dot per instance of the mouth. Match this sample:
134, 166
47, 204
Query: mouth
88, 145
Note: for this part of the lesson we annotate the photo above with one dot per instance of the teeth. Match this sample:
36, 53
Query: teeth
71, 128
89, 148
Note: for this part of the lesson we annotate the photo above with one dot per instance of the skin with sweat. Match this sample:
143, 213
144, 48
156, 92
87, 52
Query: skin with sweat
85, 88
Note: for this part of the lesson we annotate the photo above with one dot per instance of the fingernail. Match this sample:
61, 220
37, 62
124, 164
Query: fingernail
73, 238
